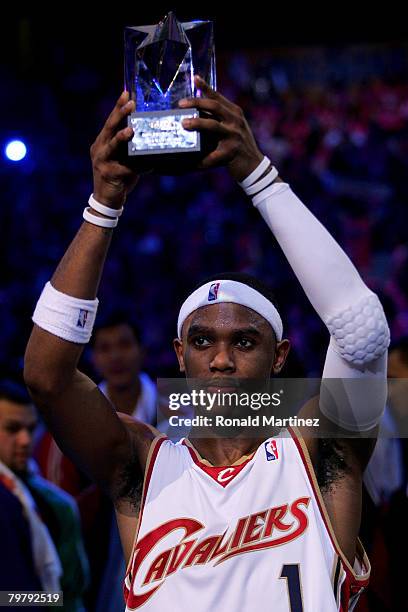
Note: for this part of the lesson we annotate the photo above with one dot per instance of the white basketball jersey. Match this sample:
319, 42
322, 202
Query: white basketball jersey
242, 538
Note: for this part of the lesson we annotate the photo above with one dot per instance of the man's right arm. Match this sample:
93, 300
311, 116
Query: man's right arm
84, 423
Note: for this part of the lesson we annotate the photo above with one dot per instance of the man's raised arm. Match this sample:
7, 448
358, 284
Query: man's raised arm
352, 313
78, 414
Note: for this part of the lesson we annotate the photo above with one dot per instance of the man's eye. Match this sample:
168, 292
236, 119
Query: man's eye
245, 343
12, 429
201, 341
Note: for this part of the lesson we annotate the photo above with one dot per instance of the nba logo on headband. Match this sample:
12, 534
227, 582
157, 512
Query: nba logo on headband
213, 292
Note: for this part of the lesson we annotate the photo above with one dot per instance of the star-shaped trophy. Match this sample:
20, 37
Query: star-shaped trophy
160, 63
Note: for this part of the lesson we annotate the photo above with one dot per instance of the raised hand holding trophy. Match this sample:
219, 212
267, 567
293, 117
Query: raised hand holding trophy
160, 63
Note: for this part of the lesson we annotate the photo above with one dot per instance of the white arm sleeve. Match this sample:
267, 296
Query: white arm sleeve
351, 312
353, 397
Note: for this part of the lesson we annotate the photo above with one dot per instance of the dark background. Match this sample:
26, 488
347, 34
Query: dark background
61, 72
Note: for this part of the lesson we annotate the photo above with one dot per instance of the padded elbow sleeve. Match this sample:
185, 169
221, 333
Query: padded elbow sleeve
361, 331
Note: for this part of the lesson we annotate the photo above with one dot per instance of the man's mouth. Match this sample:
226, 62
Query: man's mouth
225, 386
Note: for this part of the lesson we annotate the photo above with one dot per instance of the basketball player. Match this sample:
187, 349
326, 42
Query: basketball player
290, 501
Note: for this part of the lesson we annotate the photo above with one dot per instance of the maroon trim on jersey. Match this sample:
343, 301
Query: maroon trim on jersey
156, 444
150, 461
222, 474
352, 583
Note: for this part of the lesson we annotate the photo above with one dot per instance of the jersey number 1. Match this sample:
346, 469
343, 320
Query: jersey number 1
292, 576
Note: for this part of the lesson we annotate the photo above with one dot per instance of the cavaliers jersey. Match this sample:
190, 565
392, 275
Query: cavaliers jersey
240, 538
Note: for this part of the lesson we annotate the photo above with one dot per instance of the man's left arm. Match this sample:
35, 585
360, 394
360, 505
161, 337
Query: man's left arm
354, 391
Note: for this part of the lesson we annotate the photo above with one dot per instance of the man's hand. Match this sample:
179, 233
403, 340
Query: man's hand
236, 144
113, 181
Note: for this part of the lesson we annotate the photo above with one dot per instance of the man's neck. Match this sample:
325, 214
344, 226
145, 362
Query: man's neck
125, 398
224, 451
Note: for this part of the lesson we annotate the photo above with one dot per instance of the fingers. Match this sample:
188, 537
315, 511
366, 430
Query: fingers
109, 137
122, 109
205, 125
226, 137
122, 136
205, 104
203, 86
213, 102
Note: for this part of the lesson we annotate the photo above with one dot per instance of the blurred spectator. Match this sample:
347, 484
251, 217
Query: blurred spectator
17, 569
117, 357
52, 515
385, 502
396, 531
387, 470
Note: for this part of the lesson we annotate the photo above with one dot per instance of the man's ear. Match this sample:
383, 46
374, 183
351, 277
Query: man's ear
178, 347
281, 352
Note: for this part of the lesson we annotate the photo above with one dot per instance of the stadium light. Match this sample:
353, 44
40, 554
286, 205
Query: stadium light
15, 150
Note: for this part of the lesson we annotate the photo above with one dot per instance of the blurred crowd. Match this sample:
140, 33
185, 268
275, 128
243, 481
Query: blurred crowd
336, 126
342, 143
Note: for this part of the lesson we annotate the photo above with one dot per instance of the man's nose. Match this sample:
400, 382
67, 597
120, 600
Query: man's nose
223, 360
114, 353
24, 437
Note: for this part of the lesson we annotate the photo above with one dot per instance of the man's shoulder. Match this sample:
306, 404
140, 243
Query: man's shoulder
139, 430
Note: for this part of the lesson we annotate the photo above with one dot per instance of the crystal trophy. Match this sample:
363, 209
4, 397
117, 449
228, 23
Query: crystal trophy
160, 63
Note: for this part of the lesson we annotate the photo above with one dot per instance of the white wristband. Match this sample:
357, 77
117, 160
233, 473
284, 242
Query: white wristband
104, 210
256, 174
263, 183
274, 189
65, 316
100, 221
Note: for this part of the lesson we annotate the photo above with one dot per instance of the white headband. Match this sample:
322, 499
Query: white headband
234, 292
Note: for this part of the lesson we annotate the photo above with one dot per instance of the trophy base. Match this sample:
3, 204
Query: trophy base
161, 144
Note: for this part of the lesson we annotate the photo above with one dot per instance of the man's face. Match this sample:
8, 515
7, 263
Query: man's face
117, 355
227, 340
17, 423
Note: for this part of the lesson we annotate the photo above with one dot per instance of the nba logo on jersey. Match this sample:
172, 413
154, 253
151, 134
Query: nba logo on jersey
213, 292
271, 450
82, 317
